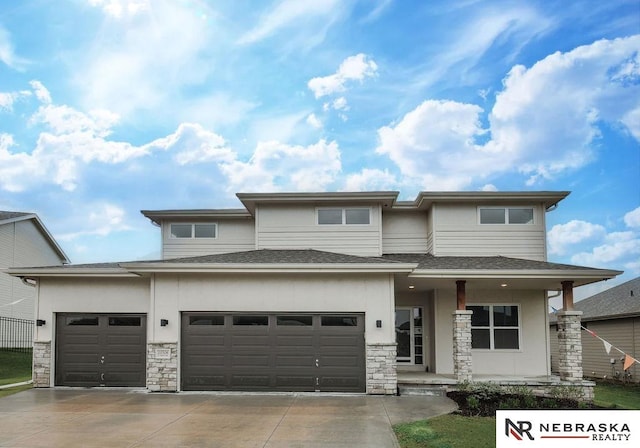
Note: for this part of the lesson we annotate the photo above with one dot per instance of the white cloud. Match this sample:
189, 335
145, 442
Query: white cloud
353, 68
7, 52
98, 218
370, 179
314, 121
191, 143
544, 121
489, 187
289, 14
277, 166
437, 137
562, 236
632, 219
120, 8
340, 104
619, 247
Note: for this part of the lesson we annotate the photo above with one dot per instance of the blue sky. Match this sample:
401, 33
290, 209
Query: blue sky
112, 106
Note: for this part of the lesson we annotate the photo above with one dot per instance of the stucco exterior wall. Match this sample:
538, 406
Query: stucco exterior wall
530, 360
355, 293
457, 232
295, 227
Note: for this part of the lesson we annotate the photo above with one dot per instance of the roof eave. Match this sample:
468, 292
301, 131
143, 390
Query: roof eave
249, 200
550, 198
270, 267
69, 272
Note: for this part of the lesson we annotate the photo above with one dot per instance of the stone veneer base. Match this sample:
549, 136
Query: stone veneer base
569, 345
382, 377
162, 366
41, 364
462, 360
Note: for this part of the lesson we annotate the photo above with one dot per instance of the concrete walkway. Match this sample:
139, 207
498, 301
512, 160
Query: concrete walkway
126, 418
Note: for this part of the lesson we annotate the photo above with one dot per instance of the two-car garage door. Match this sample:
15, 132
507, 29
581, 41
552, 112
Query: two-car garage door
220, 351
286, 352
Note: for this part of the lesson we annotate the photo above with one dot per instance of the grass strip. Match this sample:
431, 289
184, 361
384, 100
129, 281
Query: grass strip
448, 431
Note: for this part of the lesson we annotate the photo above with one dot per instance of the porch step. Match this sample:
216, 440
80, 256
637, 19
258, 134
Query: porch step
421, 390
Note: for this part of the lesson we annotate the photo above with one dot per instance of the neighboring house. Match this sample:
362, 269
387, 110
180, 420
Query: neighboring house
613, 315
314, 292
24, 241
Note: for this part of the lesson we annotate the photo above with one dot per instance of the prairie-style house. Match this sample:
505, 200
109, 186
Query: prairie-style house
317, 292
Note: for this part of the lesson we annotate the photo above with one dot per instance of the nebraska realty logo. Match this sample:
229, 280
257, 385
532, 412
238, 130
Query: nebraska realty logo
555, 428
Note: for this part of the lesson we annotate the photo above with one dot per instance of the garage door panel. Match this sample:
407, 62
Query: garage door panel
294, 340
294, 361
100, 350
246, 381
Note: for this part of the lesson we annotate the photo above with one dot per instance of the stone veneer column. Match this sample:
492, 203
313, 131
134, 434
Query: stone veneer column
569, 345
462, 361
41, 364
382, 377
162, 366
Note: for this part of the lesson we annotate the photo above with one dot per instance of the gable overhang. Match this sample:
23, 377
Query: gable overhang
384, 198
157, 216
549, 199
68, 272
510, 279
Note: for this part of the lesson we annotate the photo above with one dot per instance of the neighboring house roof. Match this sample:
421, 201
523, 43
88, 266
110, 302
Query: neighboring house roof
7, 217
614, 303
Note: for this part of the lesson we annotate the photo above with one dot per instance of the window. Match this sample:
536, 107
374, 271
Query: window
206, 320
339, 321
81, 320
294, 321
509, 215
251, 320
194, 230
348, 216
495, 327
124, 321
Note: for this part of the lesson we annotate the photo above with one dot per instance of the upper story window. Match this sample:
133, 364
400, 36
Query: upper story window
194, 230
348, 216
506, 215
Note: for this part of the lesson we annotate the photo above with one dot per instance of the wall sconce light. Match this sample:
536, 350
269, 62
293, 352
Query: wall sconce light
40, 322
164, 322
378, 324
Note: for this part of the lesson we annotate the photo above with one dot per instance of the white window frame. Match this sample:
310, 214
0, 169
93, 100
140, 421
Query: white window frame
193, 230
506, 215
491, 327
344, 215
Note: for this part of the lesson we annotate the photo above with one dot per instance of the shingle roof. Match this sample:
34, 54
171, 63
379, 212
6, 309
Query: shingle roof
263, 256
431, 262
621, 300
5, 215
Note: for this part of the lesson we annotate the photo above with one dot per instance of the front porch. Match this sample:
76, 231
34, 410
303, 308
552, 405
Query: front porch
427, 383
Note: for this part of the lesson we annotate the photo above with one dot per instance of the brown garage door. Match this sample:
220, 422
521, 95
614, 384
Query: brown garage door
283, 352
101, 350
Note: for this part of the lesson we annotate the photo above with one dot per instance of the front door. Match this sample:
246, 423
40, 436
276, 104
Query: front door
409, 335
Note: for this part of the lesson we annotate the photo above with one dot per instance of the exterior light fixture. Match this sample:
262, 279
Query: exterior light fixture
40, 322
378, 324
164, 322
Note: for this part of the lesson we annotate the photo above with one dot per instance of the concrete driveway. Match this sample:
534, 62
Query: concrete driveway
125, 418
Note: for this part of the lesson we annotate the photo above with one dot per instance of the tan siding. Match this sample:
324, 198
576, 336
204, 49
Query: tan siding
294, 227
404, 232
233, 236
622, 334
458, 233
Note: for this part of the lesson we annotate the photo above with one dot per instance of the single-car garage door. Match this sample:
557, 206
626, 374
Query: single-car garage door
279, 352
100, 350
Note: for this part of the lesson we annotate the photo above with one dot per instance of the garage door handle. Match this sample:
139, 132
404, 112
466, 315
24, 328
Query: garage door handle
317, 363
102, 377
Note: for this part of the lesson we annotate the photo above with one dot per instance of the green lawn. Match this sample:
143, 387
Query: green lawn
14, 390
455, 431
620, 396
15, 367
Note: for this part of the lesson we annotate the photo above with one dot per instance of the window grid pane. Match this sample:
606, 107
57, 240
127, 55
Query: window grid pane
330, 216
205, 230
357, 216
520, 216
492, 216
181, 230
